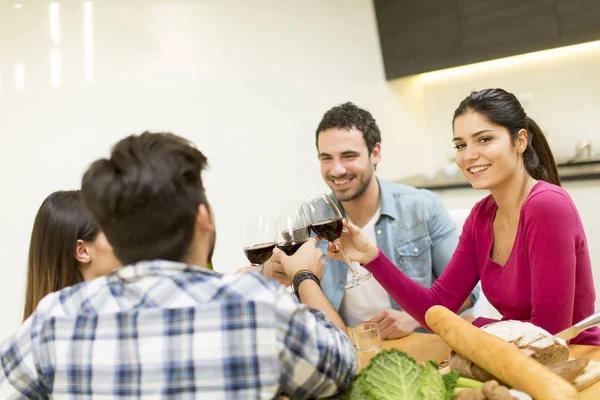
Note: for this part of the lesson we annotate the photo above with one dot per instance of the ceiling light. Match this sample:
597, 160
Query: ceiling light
509, 61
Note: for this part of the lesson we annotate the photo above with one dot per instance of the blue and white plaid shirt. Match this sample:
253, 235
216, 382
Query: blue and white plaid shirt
166, 330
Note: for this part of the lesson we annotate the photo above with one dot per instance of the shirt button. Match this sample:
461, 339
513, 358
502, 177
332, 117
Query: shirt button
416, 250
379, 232
341, 282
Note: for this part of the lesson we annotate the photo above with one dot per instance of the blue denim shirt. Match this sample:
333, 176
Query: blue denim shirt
414, 230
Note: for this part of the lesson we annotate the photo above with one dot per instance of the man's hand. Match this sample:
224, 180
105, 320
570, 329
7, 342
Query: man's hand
248, 269
308, 257
274, 270
394, 324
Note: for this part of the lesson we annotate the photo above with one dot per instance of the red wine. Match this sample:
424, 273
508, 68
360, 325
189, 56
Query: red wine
330, 229
290, 248
259, 253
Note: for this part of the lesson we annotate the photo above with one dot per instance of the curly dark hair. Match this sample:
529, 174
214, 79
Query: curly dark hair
349, 116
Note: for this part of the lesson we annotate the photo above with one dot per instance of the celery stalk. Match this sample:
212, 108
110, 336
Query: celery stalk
468, 383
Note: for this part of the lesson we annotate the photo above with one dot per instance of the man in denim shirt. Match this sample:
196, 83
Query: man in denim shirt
411, 226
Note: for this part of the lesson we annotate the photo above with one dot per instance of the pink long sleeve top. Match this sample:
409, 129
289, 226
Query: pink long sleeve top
547, 279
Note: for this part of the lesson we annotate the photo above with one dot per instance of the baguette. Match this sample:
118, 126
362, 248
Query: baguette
499, 358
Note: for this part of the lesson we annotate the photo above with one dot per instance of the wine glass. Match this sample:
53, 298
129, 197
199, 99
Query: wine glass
293, 227
326, 221
261, 238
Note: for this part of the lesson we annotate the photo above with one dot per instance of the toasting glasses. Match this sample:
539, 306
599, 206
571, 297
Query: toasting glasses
326, 221
293, 227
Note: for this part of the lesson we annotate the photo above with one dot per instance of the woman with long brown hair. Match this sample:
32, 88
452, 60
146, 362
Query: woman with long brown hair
66, 248
525, 241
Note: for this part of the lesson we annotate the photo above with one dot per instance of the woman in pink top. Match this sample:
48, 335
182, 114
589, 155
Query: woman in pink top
525, 241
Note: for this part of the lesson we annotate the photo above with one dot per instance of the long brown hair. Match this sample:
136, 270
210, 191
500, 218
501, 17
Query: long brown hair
502, 108
59, 223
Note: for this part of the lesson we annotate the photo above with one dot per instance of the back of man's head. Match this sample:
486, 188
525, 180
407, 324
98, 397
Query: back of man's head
146, 196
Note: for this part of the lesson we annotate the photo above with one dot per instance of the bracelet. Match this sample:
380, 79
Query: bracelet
300, 277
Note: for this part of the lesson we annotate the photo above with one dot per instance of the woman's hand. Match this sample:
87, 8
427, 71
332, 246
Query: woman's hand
356, 246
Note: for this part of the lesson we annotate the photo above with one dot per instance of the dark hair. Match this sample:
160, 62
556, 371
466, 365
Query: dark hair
349, 116
502, 108
60, 222
146, 196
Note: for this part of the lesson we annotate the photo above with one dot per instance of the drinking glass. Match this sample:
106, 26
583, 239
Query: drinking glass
261, 238
292, 226
326, 221
367, 342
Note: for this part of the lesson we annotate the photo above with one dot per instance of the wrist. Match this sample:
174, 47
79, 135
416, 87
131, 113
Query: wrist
416, 325
300, 277
371, 253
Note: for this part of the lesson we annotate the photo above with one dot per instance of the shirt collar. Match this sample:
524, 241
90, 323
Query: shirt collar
155, 268
388, 202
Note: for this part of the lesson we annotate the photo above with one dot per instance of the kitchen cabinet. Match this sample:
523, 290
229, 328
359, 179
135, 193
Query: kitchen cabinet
426, 35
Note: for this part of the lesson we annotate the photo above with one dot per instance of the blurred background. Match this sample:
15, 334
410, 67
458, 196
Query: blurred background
248, 82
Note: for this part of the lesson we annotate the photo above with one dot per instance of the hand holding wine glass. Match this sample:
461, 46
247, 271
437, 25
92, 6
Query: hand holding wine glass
356, 245
307, 257
326, 221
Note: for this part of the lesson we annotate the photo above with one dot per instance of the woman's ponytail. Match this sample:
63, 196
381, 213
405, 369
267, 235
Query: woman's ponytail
539, 160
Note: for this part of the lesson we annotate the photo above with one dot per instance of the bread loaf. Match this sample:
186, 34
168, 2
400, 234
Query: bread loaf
531, 340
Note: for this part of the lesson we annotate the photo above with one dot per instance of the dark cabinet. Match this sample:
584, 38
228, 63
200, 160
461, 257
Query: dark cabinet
427, 35
578, 21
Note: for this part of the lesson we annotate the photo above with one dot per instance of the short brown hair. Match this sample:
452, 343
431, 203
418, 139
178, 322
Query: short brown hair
348, 116
146, 196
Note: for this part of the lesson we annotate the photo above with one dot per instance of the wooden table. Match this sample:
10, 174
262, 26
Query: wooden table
423, 347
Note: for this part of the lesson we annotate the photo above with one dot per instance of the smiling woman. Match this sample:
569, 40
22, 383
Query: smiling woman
491, 129
525, 241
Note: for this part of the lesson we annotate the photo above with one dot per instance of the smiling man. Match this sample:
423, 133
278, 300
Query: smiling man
411, 226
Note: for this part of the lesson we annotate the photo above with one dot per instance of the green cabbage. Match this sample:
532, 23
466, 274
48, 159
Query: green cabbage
451, 382
432, 383
393, 375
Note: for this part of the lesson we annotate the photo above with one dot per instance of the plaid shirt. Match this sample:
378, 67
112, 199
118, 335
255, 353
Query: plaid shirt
160, 329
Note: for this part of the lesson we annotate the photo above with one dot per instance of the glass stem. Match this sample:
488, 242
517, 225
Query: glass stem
338, 243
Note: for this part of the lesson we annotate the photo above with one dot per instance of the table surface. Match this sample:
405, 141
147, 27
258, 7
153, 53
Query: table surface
423, 347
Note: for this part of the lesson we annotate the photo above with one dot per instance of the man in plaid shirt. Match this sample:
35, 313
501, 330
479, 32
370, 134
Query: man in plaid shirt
163, 326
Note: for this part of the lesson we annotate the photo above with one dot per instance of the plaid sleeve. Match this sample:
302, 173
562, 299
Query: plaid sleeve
317, 359
18, 374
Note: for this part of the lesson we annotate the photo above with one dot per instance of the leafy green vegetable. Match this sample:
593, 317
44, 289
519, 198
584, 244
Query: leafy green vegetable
358, 390
393, 375
450, 381
432, 383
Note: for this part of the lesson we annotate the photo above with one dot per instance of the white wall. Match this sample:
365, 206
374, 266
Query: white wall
248, 81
